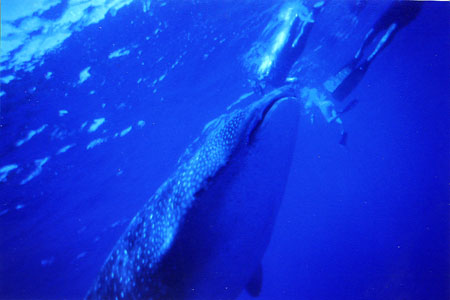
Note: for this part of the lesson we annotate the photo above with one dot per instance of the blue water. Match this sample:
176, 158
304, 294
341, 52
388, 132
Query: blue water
366, 221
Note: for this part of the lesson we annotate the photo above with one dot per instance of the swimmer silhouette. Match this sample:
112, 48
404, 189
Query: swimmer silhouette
293, 48
397, 16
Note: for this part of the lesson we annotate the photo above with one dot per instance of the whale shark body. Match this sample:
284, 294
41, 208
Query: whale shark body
204, 232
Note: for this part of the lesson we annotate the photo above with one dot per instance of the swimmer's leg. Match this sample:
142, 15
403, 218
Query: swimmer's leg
350, 73
367, 40
385, 40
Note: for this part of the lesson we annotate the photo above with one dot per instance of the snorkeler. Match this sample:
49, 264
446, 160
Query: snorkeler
296, 41
313, 98
398, 15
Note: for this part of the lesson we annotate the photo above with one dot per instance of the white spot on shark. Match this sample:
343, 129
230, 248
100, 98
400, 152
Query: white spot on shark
31, 133
118, 53
161, 78
4, 171
39, 163
96, 142
126, 131
83, 125
84, 75
97, 123
64, 149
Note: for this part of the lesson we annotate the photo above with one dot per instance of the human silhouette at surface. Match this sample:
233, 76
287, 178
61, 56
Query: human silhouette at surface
293, 48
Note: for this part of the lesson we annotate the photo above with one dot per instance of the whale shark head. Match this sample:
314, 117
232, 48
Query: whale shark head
202, 235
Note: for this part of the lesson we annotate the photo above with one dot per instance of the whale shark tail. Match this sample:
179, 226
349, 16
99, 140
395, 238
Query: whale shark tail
254, 286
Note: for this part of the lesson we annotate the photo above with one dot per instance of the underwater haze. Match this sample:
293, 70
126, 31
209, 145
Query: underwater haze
99, 99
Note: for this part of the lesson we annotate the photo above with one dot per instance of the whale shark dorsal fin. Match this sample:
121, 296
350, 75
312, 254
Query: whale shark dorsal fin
254, 285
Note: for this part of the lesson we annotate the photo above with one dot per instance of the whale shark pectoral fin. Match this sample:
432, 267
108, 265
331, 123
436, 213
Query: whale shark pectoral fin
254, 285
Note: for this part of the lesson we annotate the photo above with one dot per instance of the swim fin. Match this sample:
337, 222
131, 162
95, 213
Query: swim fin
255, 284
350, 82
332, 83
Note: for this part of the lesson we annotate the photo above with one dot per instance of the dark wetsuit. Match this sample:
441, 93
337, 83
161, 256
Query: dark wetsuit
398, 15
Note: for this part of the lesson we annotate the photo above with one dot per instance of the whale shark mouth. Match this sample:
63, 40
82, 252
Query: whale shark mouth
271, 107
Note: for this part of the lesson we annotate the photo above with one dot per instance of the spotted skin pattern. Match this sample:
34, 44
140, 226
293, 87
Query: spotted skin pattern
131, 269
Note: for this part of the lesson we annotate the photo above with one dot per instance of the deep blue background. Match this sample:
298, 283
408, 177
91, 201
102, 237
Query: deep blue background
368, 221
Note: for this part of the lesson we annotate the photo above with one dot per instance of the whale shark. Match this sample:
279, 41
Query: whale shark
203, 234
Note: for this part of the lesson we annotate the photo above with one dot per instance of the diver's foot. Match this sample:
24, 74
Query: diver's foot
333, 82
